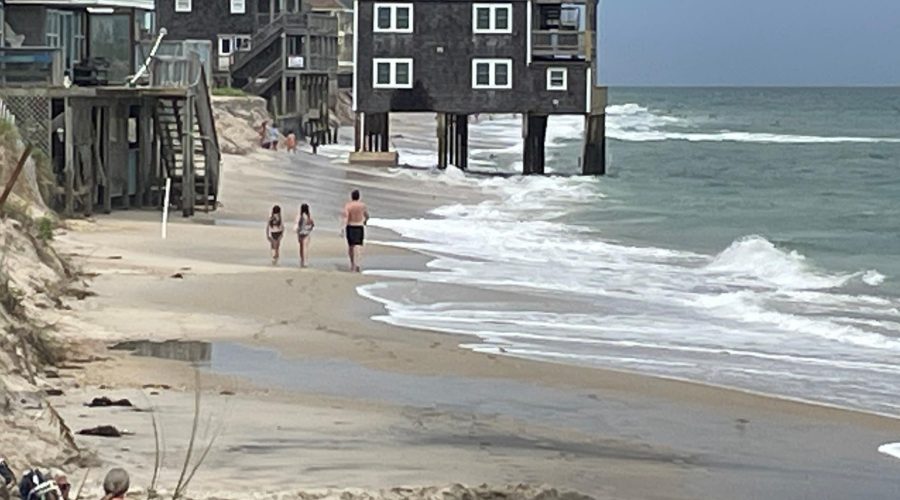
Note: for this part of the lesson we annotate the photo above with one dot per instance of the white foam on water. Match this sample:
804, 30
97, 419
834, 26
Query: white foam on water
635, 123
758, 259
740, 317
890, 449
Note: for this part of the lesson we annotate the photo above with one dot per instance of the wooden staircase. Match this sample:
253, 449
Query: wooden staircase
189, 148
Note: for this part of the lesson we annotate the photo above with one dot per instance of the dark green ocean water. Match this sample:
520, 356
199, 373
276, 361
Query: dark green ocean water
745, 237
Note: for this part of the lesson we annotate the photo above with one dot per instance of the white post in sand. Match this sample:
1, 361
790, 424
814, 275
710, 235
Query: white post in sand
165, 219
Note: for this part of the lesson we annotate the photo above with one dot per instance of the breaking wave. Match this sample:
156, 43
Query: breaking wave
758, 259
635, 123
754, 315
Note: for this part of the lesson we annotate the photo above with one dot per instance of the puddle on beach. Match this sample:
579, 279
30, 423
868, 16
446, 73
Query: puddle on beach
466, 395
178, 350
343, 378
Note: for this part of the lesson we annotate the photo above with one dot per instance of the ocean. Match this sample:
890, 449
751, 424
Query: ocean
744, 237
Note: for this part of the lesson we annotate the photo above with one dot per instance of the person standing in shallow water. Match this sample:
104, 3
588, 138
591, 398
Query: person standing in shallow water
355, 217
304, 227
274, 232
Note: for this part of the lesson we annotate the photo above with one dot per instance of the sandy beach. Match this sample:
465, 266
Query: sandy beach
310, 393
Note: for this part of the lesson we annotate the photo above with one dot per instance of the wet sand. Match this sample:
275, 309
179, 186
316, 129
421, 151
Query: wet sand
326, 397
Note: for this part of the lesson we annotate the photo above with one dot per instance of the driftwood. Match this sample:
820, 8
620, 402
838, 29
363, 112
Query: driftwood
15, 175
104, 431
104, 401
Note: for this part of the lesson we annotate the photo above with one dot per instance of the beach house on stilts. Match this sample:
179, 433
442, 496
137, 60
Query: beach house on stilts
114, 112
458, 58
277, 49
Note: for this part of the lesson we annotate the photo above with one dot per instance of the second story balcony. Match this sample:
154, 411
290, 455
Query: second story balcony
561, 31
547, 44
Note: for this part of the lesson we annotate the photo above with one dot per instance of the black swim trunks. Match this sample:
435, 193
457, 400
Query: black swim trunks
355, 235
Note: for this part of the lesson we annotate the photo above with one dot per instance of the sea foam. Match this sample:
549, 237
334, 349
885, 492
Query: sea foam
890, 449
752, 308
518, 270
635, 123
757, 258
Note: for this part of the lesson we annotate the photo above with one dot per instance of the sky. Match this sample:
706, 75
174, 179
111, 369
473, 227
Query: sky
750, 42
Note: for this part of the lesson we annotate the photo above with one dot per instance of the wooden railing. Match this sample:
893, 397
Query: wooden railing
207, 126
558, 44
263, 79
31, 66
320, 63
324, 23
174, 71
314, 21
172, 55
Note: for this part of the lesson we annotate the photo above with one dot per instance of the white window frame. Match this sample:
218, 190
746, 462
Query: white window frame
492, 8
493, 73
225, 58
393, 7
183, 5
393, 83
244, 40
238, 6
565, 78
234, 41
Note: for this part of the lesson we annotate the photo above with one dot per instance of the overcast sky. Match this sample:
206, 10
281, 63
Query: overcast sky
750, 42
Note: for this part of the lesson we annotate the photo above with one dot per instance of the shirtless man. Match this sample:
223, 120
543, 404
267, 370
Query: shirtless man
355, 217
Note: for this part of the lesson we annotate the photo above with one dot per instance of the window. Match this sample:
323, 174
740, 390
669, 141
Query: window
392, 73
224, 46
492, 18
238, 6
228, 46
394, 17
564, 17
182, 5
110, 38
557, 79
241, 42
492, 73
53, 29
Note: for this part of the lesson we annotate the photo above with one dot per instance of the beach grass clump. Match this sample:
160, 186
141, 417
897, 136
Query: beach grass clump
46, 180
228, 92
46, 349
11, 147
11, 298
45, 227
9, 135
17, 210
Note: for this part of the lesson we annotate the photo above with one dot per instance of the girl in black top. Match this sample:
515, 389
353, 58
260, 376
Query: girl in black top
274, 232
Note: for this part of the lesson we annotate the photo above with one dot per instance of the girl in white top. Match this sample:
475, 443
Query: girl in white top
304, 228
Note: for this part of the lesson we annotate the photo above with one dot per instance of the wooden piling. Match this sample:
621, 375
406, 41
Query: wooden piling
357, 132
386, 133
535, 135
594, 156
464, 138
187, 155
442, 140
145, 153
123, 112
69, 125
